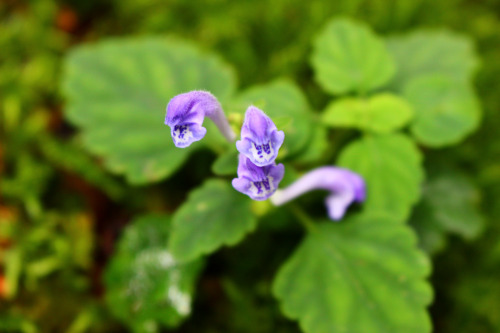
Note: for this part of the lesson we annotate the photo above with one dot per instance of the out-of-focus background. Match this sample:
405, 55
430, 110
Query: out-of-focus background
61, 212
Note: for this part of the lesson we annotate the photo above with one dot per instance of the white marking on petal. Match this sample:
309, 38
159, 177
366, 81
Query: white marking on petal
183, 134
259, 190
262, 153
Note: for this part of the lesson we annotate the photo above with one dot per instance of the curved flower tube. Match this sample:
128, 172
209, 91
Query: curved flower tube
259, 183
260, 139
185, 115
345, 186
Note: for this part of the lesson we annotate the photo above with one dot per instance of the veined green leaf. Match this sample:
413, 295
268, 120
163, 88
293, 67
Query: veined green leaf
449, 204
214, 215
348, 56
432, 52
445, 110
392, 168
117, 92
382, 113
364, 274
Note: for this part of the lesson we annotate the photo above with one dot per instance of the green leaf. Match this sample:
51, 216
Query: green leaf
392, 168
449, 204
226, 164
432, 52
145, 285
382, 113
362, 275
281, 99
348, 56
446, 111
317, 147
117, 92
214, 215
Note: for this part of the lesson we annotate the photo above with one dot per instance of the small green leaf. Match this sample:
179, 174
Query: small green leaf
214, 215
382, 113
432, 52
449, 204
117, 92
145, 285
227, 163
362, 275
392, 168
348, 56
445, 110
281, 100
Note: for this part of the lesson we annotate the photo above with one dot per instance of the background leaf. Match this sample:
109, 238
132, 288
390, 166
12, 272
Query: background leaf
432, 52
348, 56
214, 215
381, 113
449, 204
391, 166
362, 275
445, 110
117, 92
280, 99
145, 285
226, 163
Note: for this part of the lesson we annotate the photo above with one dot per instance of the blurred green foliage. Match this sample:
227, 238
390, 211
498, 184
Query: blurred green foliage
61, 211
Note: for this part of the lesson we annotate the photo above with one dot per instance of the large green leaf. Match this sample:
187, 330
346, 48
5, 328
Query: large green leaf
445, 110
145, 285
381, 113
392, 168
348, 56
362, 275
117, 92
449, 204
432, 52
214, 215
280, 99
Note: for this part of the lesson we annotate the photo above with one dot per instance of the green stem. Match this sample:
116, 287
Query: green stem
303, 218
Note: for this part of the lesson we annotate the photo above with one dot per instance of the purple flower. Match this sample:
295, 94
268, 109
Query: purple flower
185, 115
260, 139
345, 186
259, 183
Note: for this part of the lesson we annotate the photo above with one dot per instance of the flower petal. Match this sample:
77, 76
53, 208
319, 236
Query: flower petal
185, 134
260, 139
259, 183
337, 203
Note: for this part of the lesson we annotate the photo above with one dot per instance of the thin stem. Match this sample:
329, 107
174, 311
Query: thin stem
303, 218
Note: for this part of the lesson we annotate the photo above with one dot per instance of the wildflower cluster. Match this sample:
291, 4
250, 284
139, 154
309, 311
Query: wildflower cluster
258, 174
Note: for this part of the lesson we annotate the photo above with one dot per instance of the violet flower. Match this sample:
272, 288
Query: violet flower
260, 139
259, 183
185, 115
345, 186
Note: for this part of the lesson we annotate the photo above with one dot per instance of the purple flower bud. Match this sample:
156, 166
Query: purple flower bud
260, 139
259, 183
185, 115
345, 186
